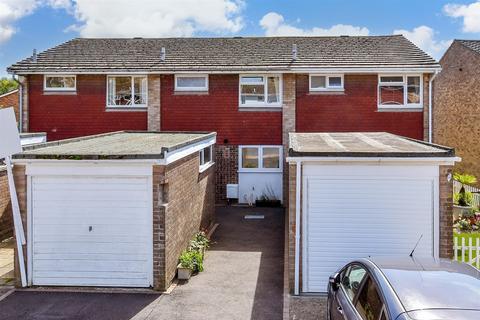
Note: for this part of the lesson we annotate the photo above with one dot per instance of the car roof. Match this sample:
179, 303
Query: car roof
426, 283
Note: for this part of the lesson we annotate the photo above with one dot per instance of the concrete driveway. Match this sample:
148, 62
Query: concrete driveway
243, 279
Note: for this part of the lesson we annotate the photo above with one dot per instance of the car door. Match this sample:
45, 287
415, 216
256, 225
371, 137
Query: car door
368, 301
351, 279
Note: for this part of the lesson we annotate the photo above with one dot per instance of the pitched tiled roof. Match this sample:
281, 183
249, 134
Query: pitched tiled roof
471, 44
227, 54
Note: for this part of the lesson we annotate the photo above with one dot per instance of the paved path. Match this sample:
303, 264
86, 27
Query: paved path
243, 277
6, 262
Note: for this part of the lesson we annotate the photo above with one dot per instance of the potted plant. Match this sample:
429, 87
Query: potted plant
186, 265
268, 199
463, 199
200, 242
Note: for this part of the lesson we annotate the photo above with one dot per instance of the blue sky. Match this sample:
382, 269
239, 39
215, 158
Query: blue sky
41, 24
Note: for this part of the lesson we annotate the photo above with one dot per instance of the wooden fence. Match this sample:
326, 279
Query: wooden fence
466, 251
475, 191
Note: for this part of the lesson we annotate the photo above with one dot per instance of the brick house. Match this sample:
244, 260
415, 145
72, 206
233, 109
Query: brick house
11, 100
457, 103
251, 91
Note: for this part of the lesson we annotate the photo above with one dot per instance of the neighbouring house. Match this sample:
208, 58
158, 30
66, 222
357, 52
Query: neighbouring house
11, 100
456, 109
251, 91
114, 209
355, 195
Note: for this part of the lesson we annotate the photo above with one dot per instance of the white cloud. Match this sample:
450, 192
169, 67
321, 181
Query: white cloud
424, 37
11, 11
469, 12
274, 25
154, 18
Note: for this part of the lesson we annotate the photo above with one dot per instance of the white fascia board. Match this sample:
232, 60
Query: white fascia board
81, 168
188, 150
386, 160
259, 69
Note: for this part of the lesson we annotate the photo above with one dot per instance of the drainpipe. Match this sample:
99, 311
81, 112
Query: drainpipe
297, 228
430, 107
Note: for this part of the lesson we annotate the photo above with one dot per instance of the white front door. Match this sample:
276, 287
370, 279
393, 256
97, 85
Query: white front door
91, 231
260, 173
355, 211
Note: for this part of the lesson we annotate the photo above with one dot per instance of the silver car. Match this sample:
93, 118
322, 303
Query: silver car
406, 288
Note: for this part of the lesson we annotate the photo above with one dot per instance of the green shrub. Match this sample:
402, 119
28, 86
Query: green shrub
464, 199
199, 242
192, 260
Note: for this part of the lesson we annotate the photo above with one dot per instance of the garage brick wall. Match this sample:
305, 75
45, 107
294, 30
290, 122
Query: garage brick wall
21, 186
446, 212
6, 218
186, 203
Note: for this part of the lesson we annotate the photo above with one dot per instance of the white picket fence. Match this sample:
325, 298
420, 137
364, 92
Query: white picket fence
475, 191
467, 252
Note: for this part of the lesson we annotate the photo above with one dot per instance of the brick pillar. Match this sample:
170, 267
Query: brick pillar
292, 187
24, 98
159, 282
153, 108
288, 124
21, 186
446, 212
426, 106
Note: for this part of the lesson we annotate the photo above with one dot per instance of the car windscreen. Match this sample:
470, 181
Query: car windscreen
444, 314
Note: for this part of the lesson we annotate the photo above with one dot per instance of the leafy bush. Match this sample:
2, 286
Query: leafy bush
199, 242
463, 225
464, 200
192, 260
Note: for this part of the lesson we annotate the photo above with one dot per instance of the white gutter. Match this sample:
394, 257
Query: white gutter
430, 107
297, 227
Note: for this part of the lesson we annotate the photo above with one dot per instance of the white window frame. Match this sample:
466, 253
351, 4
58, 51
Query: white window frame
265, 83
132, 85
404, 83
260, 159
45, 88
205, 165
205, 88
327, 82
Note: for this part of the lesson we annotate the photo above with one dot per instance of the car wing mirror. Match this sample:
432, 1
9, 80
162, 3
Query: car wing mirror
335, 281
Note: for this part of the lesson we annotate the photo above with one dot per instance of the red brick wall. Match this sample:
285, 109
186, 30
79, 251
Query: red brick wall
10, 100
6, 218
355, 110
218, 111
66, 115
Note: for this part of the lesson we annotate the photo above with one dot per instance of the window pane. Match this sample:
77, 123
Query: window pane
207, 155
60, 82
273, 90
250, 158
140, 90
352, 279
253, 94
271, 157
392, 79
335, 81
391, 95
369, 305
120, 91
413, 90
318, 82
191, 82
252, 80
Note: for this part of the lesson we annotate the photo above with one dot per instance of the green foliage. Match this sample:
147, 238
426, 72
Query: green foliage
7, 85
463, 199
192, 260
199, 242
465, 179
463, 225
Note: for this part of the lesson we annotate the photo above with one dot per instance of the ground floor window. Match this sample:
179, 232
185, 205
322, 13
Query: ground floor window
260, 158
206, 157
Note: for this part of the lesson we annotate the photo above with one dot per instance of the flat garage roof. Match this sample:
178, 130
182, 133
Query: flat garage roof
115, 145
362, 144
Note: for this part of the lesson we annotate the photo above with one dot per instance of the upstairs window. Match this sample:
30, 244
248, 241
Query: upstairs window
400, 91
320, 82
60, 83
191, 82
126, 91
260, 91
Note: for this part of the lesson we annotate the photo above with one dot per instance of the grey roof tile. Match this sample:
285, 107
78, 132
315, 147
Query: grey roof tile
226, 54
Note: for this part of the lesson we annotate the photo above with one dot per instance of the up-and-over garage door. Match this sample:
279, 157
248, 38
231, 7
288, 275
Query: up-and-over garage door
91, 231
354, 211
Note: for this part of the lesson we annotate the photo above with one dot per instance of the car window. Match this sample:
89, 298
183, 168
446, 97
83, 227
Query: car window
369, 305
352, 279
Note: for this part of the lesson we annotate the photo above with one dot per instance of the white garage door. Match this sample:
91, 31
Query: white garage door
91, 231
360, 211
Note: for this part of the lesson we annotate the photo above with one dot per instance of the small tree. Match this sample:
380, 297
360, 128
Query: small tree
464, 179
7, 85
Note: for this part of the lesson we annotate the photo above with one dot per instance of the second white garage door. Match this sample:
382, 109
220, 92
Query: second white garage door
354, 211
91, 231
